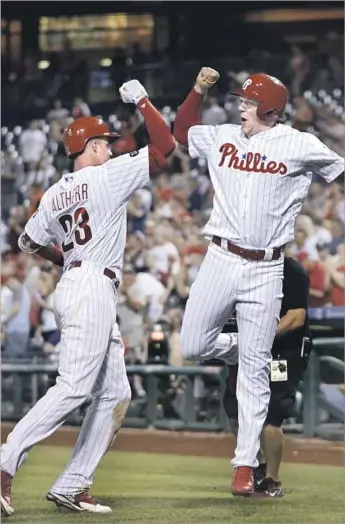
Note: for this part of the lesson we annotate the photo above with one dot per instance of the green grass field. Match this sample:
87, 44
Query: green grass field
177, 489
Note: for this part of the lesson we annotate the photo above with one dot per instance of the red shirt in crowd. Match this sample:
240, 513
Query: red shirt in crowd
337, 292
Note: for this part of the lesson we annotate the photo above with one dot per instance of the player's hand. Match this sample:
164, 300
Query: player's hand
206, 79
132, 92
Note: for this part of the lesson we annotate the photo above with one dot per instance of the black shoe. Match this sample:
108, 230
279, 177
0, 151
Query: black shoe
259, 474
269, 488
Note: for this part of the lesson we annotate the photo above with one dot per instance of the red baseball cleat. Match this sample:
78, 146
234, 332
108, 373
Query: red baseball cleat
243, 481
6, 503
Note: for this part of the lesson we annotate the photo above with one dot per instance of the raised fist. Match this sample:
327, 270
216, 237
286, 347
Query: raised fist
206, 79
132, 92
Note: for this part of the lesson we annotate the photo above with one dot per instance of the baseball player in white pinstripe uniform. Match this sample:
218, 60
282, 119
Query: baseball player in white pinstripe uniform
261, 172
85, 215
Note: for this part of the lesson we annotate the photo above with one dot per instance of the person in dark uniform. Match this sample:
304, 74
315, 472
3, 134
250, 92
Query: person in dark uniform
290, 352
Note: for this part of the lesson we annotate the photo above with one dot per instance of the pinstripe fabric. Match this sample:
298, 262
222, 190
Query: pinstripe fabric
260, 183
104, 192
258, 209
226, 282
91, 368
91, 365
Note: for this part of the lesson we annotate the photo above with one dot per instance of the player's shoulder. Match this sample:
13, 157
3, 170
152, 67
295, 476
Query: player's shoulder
287, 130
226, 130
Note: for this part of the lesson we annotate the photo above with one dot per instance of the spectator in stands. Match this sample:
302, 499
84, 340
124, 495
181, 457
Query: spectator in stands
213, 114
137, 253
301, 248
298, 70
318, 291
80, 109
44, 299
137, 211
165, 256
303, 115
139, 307
6, 303
196, 197
36, 193
43, 174
32, 143
322, 233
5, 247
314, 205
16, 323
59, 114
335, 205
16, 225
338, 277
337, 230
327, 261
11, 174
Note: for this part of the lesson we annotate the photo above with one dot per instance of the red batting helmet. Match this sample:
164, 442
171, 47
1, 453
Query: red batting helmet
268, 91
79, 132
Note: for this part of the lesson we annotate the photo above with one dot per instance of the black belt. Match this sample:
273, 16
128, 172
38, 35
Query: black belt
251, 254
107, 272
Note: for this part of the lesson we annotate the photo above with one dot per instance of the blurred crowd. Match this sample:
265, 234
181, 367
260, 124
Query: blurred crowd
165, 246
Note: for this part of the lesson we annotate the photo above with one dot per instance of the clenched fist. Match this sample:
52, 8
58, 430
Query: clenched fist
206, 79
132, 92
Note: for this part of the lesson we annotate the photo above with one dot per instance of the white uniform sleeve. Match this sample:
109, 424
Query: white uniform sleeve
127, 173
323, 161
201, 139
37, 227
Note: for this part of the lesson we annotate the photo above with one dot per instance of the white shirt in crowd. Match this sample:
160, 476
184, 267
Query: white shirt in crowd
146, 198
21, 322
32, 143
48, 317
160, 256
148, 289
309, 248
6, 302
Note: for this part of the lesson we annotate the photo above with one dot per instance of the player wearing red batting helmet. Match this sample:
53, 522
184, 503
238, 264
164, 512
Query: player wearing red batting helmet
79, 132
268, 92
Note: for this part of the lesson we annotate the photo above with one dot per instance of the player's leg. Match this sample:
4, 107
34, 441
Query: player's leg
231, 409
209, 306
104, 417
86, 308
257, 315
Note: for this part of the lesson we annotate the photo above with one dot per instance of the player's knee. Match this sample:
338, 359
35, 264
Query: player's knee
76, 393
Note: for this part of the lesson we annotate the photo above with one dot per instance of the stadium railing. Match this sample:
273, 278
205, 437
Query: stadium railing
170, 401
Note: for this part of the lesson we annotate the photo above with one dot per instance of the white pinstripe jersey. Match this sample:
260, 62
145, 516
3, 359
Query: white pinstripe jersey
85, 212
260, 182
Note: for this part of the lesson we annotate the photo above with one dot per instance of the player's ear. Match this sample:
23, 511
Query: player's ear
95, 146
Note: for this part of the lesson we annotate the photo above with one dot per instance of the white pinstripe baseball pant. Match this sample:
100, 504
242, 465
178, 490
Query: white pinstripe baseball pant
91, 368
225, 282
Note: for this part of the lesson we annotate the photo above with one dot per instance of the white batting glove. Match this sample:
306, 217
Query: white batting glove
132, 92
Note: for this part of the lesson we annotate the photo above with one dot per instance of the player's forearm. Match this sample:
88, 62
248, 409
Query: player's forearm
293, 319
52, 253
187, 116
160, 134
